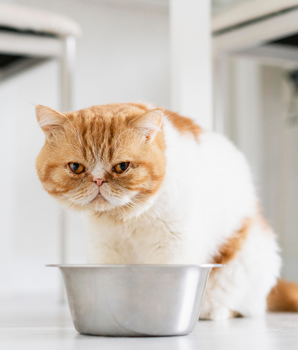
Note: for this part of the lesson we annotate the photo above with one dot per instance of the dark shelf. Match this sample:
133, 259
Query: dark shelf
287, 41
7, 60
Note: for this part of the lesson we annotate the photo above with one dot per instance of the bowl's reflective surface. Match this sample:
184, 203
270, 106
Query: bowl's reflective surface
135, 300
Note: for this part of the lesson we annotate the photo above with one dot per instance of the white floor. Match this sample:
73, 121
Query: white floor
44, 324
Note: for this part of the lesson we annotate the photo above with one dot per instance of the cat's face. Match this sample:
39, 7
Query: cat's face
104, 158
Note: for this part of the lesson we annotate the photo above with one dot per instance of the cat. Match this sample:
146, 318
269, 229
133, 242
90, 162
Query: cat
158, 189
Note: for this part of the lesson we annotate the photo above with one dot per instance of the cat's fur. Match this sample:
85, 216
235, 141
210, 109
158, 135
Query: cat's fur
187, 198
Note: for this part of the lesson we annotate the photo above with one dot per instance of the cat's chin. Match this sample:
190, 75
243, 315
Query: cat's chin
99, 198
100, 204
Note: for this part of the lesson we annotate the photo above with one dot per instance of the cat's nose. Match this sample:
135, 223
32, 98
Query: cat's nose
98, 182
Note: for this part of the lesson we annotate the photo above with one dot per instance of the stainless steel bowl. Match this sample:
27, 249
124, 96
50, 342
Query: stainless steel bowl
135, 300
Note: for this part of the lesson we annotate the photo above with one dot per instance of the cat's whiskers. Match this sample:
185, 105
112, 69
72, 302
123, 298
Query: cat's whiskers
143, 214
64, 206
82, 196
122, 212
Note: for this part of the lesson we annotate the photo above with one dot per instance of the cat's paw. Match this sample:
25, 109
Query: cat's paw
216, 313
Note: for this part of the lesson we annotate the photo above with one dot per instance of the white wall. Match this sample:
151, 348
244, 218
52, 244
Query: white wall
258, 107
281, 165
123, 55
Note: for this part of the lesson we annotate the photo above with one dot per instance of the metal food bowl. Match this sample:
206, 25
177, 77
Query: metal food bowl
135, 300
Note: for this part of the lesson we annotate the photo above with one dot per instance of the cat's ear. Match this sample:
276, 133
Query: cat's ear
149, 123
49, 119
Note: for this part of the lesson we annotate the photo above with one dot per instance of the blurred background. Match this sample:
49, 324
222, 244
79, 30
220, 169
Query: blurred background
130, 50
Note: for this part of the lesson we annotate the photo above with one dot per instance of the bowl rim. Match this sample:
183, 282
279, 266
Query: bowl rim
133, 265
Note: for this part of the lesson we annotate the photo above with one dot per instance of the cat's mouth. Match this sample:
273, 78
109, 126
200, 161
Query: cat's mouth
98, 200
100, 197
97, 197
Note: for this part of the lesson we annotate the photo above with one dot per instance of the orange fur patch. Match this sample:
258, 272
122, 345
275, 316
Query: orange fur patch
184, 125
229, 249
283, 297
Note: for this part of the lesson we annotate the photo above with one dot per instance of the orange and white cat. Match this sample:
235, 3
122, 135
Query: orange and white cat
157, 189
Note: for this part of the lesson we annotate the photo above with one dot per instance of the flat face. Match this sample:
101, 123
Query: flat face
107, 158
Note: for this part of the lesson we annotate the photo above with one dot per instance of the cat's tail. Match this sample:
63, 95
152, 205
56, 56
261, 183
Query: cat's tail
283, 297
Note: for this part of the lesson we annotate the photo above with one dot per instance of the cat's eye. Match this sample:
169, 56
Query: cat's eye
76, 168
121, 167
